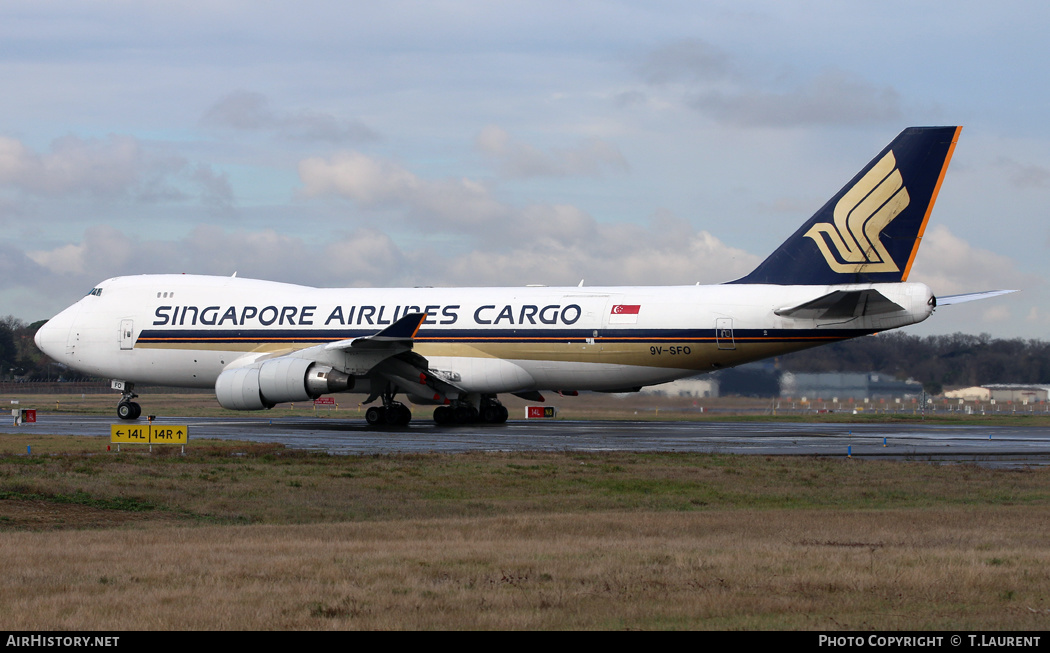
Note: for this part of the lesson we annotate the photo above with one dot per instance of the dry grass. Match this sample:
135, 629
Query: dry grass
934, 569
242, 536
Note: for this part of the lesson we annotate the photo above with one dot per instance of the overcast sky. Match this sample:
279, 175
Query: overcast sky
504, 143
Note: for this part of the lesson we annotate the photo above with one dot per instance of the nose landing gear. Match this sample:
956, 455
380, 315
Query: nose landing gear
127, 409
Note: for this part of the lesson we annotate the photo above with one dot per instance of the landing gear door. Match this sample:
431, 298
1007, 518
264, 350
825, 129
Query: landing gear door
127, 334
724, 333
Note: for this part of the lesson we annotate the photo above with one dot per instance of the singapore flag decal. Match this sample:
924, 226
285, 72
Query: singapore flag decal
624, 314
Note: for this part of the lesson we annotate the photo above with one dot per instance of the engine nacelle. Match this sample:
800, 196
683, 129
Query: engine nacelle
277, 381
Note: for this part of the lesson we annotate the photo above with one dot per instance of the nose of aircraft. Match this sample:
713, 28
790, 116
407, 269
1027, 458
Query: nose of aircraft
51, 337
45, 338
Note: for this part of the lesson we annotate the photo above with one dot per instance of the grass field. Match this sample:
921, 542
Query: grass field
248, 536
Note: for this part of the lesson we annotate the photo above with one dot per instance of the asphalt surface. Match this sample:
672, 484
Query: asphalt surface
986, 445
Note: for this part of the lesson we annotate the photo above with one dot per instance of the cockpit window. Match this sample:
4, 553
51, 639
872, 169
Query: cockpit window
97, 292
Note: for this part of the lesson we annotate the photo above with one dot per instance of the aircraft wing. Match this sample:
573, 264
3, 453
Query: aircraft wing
842, 304
969, 297
387, 356
411, 374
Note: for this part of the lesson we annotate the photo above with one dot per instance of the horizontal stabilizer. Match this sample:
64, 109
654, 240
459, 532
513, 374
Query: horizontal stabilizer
970, 297
400, 332
842, 304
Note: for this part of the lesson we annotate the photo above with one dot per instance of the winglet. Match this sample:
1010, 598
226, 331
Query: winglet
402, 331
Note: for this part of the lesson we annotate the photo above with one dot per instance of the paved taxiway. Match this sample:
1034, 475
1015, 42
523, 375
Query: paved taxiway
987, 445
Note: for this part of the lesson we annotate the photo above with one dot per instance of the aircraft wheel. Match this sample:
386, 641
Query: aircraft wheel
398, 415
465, 414
128, 410
375, 416
490, 414
443, 415
494, 413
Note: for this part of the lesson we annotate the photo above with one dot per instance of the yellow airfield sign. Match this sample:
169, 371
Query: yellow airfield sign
149, 433
169, 434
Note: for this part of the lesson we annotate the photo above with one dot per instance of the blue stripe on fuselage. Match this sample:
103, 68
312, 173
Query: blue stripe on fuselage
524, 336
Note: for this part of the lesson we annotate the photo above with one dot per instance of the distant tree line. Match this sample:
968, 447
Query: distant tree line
935, 361
20, 360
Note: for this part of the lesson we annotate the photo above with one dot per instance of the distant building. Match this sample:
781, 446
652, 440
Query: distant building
845, 385
757, 379
974, 393
698, 387
1017, 393
1001, 392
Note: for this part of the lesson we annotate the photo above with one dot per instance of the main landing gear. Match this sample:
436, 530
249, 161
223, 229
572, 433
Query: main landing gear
490, 412
391, 413
394, 413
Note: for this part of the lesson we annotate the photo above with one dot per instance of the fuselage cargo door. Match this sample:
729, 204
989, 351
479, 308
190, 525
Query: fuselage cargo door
724, 333
598, 315
127, 334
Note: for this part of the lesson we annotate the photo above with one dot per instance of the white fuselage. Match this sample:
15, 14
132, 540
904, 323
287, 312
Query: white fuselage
184, 330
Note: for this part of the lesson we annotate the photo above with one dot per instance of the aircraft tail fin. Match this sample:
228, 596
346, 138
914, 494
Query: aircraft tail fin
870, 230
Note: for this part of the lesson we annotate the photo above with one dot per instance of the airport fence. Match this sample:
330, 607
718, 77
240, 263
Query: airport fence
85, 387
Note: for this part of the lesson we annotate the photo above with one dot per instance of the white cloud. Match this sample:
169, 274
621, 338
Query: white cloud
67, 259
950, 265
540, 243
832, 98
244, 110
18, 270
117, 168
102, 167
692, 60
997, 313
369, 257
519, 160
216, 190
104, 248
713, 82
358, 177
373, 183
1024, 175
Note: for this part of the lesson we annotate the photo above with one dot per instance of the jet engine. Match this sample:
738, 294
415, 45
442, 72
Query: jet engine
277, 381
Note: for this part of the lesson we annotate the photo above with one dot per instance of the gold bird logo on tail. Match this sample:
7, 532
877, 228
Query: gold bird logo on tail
860, 216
